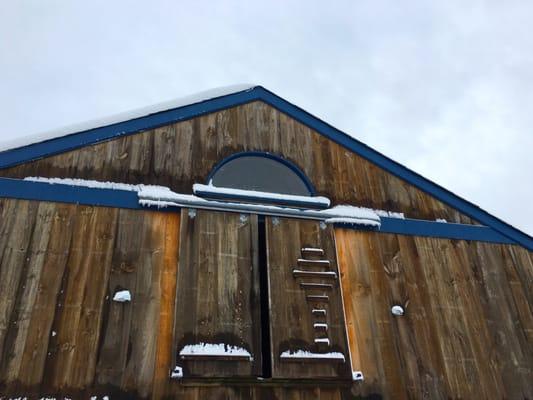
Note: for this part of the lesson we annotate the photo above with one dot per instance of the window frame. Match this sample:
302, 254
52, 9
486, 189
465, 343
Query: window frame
293, 167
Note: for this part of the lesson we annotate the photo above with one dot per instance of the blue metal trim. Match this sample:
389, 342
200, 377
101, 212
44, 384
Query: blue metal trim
442, 230
76, 140
396, 168
292, 166
73, 141
40, 191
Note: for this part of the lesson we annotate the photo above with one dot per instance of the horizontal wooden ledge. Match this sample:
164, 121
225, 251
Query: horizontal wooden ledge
312, 251
297, 273
309, 285
313, 263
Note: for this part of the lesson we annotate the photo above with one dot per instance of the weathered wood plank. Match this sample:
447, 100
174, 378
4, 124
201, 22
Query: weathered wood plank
354, 267
26, 293
165, 346
73, 351
461, 300
20, 218
139, 369
42, 313
126, 262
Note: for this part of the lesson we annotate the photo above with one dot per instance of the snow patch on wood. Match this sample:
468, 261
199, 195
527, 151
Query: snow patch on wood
214, 350
122, 296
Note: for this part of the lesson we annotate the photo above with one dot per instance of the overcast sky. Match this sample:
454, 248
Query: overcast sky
444, 87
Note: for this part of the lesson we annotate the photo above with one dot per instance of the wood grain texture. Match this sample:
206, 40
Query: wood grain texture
181, 154
292, 322
165, 342
215, 300
467, 329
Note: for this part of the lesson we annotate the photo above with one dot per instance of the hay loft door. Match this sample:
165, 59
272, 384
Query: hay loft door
217, 305
258, 296
308, 336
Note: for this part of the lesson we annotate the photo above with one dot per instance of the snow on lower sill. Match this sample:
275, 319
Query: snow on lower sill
214, 350
307, 354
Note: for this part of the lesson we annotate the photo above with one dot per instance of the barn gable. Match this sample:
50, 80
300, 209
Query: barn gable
182, 145
237, 247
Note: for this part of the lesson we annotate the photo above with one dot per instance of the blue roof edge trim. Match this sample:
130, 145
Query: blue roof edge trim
76, 140
81, 195
396, 168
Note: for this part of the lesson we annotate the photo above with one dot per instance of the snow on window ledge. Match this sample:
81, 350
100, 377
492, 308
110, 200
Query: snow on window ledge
162, 197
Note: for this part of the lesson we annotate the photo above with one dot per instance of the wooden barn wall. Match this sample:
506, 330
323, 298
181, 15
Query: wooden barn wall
467, 332
468, 327
59, 267
60, 332
184, 153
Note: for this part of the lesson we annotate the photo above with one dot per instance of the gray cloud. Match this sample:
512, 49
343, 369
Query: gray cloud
444, 87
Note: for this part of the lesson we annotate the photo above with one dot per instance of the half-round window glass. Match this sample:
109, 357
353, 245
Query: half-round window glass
260, 173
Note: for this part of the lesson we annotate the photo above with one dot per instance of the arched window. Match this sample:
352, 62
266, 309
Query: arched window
262, 172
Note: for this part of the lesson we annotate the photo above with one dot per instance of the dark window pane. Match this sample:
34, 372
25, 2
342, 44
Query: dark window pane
261, 174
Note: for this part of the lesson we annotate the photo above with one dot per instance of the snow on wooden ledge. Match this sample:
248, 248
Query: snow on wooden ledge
304, 355
258, 196
219, 351
162, 197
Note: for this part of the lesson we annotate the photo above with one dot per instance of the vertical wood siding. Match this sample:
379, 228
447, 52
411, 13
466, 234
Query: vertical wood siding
181, 154
467, 328
467, 331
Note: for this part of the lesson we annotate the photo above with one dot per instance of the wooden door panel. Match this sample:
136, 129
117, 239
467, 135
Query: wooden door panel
217, 302
308, 337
